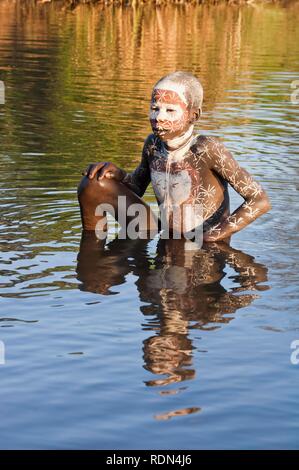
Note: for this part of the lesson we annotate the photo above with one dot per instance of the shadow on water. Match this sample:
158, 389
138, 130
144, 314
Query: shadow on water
182, 290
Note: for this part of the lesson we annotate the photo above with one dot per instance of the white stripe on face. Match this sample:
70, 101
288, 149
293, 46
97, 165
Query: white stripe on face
179, 89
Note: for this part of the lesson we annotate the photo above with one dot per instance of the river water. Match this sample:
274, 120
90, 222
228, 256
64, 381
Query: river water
141, 344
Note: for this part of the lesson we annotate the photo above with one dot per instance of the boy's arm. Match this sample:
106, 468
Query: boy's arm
139, 180
256, 200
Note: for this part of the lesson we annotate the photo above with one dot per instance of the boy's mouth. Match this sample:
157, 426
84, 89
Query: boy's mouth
159, 130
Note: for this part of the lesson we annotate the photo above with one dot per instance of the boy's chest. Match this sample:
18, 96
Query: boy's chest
181, 179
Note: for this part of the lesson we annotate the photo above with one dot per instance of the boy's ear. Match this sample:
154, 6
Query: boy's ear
196, 113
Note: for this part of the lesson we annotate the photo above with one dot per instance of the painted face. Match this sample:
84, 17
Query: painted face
169, 114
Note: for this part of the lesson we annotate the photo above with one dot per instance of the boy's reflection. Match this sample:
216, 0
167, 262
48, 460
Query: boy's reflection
183, 290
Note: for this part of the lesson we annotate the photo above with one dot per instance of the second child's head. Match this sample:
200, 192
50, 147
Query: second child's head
176, 104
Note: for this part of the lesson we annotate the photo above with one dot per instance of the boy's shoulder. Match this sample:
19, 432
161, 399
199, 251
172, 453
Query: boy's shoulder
152, 143
209, 149
204, 142
151, 140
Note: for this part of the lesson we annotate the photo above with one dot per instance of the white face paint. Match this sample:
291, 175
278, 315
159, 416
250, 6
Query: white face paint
165, 111
179, 89
169, 113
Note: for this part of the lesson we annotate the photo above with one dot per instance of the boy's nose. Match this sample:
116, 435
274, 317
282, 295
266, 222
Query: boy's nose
160, 116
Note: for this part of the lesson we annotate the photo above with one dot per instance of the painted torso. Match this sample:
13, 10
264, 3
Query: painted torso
183, 176
197, 175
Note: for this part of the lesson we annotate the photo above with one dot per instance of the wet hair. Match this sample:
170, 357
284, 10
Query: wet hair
193, 90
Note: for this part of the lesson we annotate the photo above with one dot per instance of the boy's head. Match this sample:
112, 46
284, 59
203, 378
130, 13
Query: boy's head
175, 104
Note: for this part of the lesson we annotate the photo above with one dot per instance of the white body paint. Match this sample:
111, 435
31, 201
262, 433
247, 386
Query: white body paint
178, 147
172, 190
168, 187
178, 186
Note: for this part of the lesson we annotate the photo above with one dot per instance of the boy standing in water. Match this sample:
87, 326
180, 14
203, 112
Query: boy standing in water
184, 168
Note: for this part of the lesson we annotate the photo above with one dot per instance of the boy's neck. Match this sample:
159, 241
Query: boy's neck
180, 141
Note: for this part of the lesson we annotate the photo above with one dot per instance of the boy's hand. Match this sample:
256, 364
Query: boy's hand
104, 170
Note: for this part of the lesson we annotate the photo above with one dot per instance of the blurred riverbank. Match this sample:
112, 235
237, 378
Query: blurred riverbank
134, 3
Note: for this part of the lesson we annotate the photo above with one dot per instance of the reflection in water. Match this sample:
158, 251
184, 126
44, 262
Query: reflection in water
182, 412
182, 289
